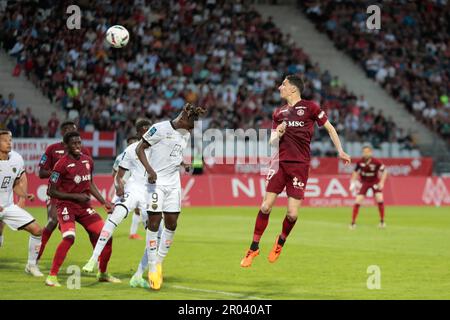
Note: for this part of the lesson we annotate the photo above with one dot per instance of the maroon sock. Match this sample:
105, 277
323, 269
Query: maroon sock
104, 257
355, 212
46, 234
262, 220
288, 224
60, 254
381, 210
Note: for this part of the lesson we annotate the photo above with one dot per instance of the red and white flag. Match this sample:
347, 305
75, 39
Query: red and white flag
100, 143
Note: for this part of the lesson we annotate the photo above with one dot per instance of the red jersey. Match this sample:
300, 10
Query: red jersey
369, 171
73, 176
53, 153
300, 118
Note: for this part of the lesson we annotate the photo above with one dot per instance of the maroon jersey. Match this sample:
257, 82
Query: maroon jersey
369, 171
73, 176
53, 153
300, 119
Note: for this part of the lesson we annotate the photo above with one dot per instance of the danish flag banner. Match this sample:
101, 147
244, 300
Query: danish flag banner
248, 190
100, 143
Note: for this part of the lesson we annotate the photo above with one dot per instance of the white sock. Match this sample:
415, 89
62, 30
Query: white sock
152, 248
134, 224
142, 265
34, 244
165, 243
111, 224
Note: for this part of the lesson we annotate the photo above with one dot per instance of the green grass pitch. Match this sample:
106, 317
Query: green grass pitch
322, 258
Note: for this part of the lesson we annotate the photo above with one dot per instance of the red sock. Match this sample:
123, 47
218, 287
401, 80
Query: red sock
60, 254
288, 224
104, 257
355, 212
262, 220
46, 234
381, 210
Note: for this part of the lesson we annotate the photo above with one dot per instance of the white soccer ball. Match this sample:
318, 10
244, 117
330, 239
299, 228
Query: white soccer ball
117, 36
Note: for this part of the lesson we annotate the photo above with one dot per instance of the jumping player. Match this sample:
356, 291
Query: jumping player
293, 127
12, 180
368, 169
52, 154
166, 141
72, 185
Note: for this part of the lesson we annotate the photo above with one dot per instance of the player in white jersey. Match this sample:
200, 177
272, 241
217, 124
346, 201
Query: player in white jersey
136, 217
130, 194
166, 142
12, 180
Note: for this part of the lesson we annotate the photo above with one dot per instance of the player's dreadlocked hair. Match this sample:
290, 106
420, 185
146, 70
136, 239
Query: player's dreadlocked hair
193, 111
70, 135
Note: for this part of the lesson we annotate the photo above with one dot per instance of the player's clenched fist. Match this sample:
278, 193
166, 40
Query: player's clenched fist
281, 129
152, 176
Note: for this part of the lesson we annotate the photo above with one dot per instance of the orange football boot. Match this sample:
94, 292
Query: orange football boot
135, 237
246, 262
275, 252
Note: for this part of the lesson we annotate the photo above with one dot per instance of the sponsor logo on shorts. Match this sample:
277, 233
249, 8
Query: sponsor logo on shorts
66, 217
297, 184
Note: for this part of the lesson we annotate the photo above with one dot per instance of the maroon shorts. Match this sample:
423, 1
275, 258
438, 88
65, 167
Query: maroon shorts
87, 217
290, 175
365, 186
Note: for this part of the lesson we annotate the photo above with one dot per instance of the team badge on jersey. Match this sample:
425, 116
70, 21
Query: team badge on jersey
88, 166
154, 206
14, 170
77, 179
301, 112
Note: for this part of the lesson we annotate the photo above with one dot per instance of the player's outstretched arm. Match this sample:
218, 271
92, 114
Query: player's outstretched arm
140, 152
337, 142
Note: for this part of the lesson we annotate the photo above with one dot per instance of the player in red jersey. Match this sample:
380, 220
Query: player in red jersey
52, 154
293, 127
368, 169
72, 185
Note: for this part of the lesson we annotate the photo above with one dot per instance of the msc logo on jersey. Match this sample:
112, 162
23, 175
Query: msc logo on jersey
296, 123
78, 179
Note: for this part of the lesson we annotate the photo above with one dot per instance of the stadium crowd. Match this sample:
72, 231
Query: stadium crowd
409, 56
233, 67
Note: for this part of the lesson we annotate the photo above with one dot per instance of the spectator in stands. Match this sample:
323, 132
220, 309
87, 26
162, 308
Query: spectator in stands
53, 125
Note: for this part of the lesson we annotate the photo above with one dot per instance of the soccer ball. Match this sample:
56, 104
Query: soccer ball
117, 36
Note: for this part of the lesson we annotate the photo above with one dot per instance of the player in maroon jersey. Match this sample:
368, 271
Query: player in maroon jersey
72, 185
52, 154
293, 127
368, 170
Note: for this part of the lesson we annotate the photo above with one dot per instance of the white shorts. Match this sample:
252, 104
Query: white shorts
164, 199
15, 217
135, 197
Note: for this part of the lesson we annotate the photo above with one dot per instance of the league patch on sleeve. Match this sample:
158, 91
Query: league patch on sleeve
152, 131
54, 177
43, 159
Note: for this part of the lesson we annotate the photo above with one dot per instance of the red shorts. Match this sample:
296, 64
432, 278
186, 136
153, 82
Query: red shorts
365, 186
292, 175
91, 221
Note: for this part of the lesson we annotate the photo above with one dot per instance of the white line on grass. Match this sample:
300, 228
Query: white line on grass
231, 294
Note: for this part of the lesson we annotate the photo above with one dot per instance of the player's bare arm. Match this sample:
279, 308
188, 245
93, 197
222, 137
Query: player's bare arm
119, 184
277, 133
337, 143
383, 178
20, 188
61, 195
353, 180
140, 151
44, 174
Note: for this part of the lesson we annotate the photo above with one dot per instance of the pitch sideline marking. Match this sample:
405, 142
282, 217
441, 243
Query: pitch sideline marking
231, 294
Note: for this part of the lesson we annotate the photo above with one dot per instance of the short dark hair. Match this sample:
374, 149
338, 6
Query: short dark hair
66, 124
132, 138
3, 132
142, 123
70, 135
296, 81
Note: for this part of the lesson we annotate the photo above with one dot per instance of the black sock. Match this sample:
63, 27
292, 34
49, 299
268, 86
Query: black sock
281, 241
254, 246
